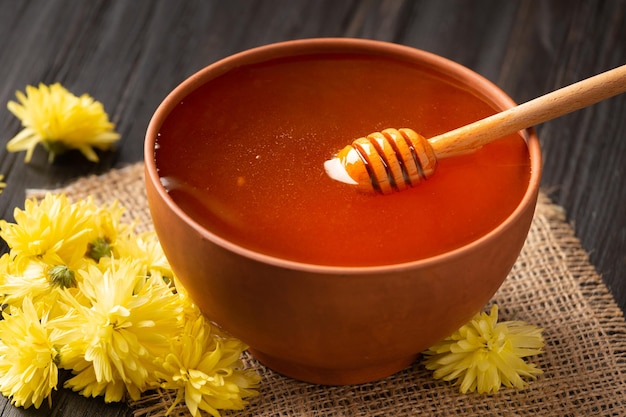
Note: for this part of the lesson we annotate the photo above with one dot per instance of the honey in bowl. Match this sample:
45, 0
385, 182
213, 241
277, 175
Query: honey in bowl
244, 156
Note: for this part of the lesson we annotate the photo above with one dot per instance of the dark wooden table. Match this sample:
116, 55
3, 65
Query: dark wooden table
130, 54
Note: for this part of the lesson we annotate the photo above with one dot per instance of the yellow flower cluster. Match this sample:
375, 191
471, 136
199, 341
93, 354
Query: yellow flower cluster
483, 354
59, 120
81, 291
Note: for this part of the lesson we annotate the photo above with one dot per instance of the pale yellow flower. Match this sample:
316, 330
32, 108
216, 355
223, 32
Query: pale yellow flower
31, 281
2, 183
28, 356
113, 335
191, 311
53, 230
59, 120
107, 230
147, 250
205, 371
483, 355
87, 294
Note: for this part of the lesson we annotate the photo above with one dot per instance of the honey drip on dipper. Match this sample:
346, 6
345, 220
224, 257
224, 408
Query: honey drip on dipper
396, 159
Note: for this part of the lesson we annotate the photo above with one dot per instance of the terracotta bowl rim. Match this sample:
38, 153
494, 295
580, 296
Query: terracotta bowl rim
286, 48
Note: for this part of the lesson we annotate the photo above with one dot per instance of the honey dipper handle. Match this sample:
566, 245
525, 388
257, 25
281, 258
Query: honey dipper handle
547, 107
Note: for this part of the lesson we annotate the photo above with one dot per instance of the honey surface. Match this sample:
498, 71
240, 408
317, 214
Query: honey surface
244, 156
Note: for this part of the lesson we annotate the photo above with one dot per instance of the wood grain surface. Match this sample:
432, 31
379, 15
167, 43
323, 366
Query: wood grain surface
130, 54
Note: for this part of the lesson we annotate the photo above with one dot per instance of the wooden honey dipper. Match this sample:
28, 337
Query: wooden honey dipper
396, 159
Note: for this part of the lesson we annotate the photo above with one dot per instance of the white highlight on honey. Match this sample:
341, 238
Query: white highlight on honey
337, 171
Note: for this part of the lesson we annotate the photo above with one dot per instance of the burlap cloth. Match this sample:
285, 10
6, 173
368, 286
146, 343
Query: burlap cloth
552, 285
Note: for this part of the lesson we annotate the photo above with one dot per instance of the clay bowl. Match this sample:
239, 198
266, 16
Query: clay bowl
331, 324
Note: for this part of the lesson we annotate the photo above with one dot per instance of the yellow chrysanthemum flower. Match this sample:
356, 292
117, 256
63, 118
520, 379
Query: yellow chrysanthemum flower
148, 251
113, 338
35, 281
31, 281
191, 311
59, 120
82, 291
205, 371
483, 355
107, 230
53, 230
28, 356
2, 183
